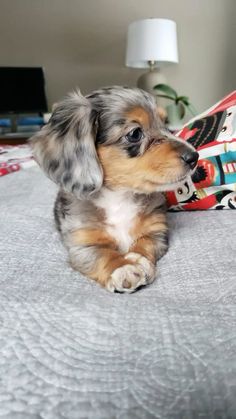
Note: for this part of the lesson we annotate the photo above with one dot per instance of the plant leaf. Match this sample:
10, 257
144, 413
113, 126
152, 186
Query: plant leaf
184, 99
182, 109
166, 89
166, 97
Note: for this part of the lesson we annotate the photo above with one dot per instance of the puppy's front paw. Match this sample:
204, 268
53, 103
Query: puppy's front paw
146, 265
127, 278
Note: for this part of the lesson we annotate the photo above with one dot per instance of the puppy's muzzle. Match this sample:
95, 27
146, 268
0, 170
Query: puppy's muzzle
190, 158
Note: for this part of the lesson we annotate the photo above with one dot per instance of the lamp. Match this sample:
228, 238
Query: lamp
151, 43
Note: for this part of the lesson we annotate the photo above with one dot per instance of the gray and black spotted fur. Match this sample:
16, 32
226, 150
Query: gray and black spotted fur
65, 147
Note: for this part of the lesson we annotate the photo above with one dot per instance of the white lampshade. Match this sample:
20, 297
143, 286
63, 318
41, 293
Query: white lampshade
151, 40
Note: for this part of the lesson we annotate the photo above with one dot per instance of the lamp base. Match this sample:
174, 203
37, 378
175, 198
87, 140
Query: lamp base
150, 79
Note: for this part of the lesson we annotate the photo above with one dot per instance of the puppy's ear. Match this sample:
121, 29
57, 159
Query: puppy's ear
65, 147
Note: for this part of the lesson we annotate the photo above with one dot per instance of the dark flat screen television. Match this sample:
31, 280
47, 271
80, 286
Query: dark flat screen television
22, 90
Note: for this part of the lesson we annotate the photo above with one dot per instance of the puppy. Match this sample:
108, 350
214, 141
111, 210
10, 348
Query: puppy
112, 158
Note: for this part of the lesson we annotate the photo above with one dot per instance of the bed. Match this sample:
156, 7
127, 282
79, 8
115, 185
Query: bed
70, 349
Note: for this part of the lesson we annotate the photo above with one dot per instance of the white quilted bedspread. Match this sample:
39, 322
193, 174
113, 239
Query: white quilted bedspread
71, 350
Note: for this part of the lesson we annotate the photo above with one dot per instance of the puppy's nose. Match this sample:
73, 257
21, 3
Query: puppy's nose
191, 158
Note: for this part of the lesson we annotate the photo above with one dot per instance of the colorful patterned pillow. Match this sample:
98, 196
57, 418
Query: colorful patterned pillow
213, 134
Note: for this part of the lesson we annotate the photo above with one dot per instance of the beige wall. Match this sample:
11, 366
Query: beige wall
82, 43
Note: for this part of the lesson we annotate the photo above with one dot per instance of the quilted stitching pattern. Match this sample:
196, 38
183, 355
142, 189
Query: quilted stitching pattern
69, 349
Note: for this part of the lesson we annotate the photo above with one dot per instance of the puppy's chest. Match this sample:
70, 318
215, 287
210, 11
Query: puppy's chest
120, 216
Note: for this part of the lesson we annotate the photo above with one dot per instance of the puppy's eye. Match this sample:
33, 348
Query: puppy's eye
135, 135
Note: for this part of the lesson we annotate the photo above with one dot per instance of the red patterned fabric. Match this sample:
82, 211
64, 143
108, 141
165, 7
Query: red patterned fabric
213, 185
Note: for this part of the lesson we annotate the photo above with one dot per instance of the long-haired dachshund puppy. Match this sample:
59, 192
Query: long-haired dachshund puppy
112, 158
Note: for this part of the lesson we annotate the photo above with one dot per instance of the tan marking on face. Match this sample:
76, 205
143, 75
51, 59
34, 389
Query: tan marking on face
140, 115
161, 112
158, 165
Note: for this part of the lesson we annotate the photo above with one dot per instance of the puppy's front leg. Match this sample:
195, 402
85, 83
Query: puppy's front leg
95, 254
150, 244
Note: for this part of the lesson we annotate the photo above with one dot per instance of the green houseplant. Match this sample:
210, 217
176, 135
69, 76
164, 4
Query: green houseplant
177, 110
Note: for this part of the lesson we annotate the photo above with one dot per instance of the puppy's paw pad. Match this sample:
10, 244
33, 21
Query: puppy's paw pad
146, 265
126, 279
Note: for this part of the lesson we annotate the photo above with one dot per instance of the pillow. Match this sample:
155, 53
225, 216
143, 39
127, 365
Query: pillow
213, 185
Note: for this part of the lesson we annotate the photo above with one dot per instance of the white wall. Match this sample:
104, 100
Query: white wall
82, 43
